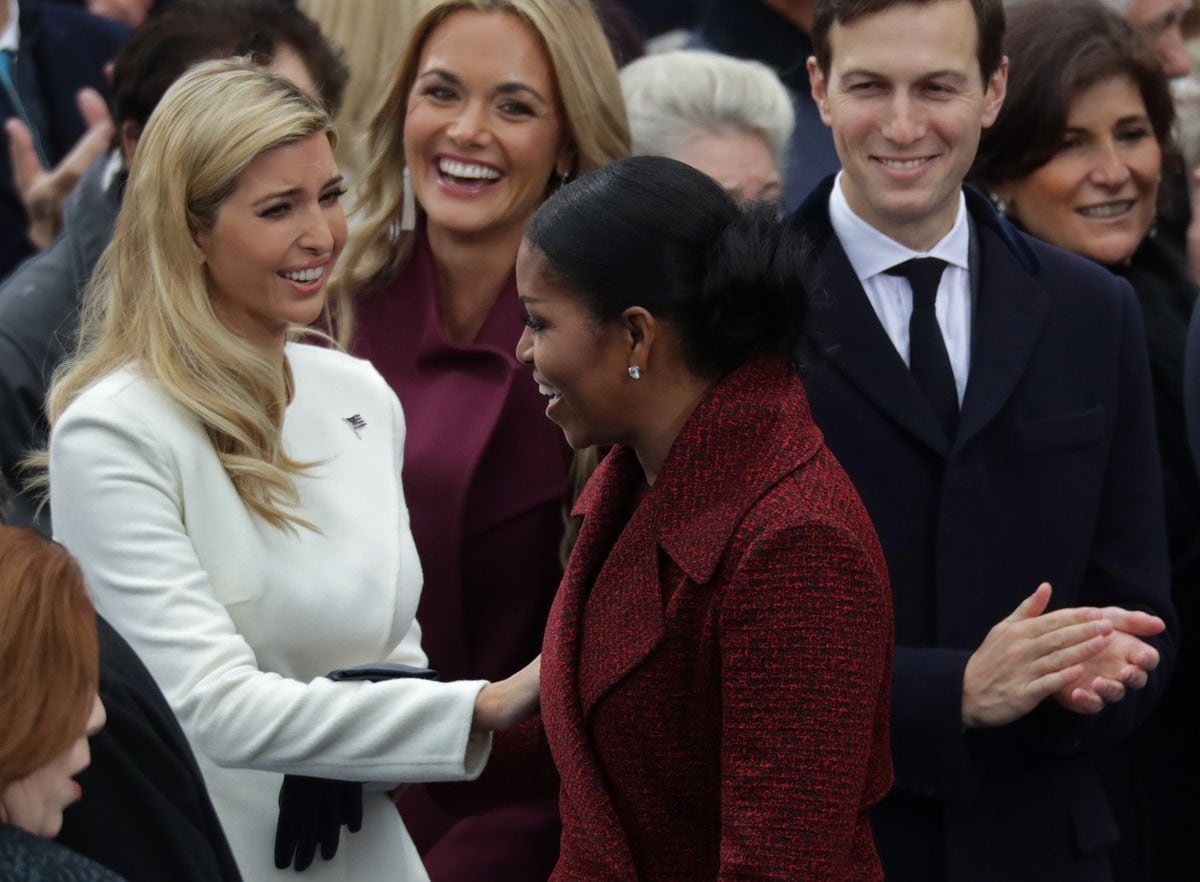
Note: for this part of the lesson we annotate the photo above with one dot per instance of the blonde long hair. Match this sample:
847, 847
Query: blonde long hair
371, 35
149, 303
594, 112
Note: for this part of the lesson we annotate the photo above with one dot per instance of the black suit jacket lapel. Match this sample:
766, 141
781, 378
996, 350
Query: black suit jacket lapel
1009, 313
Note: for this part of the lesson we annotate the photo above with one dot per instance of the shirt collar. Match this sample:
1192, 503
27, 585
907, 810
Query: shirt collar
10, 37
871, 252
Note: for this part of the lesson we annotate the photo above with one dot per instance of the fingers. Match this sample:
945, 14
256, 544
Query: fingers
26, 166
1133, 677
1147, 658
1033, 605
329, 824
1051, 622
92, 107
352, 807
93, 143
1084, 701
1071, 645
285, 827
1135, 622
1055, 681
1110, 691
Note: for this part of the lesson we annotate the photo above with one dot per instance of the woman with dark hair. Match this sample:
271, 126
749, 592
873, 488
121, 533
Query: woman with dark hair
716, 664
1076, 157
49, 669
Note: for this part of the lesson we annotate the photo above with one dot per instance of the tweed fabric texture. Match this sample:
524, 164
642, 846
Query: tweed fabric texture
716, 666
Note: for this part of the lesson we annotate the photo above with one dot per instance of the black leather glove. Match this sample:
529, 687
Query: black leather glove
312, 811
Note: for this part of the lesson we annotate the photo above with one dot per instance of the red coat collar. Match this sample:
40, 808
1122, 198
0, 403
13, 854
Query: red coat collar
736, 445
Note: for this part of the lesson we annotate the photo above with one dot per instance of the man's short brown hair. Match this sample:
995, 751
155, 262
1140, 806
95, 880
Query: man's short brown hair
989, 27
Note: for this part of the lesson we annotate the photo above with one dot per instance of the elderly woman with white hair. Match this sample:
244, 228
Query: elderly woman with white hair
729, 118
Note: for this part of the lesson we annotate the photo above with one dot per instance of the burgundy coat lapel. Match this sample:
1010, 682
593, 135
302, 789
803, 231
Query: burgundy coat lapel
593, 832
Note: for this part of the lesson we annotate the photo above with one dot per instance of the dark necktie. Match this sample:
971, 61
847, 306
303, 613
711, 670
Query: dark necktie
927, 356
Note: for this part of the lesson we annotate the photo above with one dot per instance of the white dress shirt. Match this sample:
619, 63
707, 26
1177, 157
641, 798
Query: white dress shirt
871, 254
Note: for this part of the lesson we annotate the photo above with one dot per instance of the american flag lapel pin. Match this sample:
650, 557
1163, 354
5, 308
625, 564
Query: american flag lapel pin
357, 423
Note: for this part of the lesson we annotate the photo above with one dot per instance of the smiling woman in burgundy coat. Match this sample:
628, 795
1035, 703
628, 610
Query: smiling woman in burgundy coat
716, 666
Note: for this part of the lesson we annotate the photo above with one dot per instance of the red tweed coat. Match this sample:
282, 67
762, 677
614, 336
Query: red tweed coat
715, 672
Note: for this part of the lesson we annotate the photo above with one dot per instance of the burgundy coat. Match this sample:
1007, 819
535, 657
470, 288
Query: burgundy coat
716, 667
484, 478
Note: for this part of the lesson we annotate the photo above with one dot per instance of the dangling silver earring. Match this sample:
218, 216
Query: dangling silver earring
1000, 205
408, 214
635, 372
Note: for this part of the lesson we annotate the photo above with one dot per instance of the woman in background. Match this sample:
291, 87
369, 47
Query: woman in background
234, 496
731, 119
1075, 158
494, 104
49, 670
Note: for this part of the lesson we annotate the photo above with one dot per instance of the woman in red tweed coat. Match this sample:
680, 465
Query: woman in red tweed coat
716, 665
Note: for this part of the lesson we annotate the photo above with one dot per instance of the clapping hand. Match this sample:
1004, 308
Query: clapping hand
1123, 665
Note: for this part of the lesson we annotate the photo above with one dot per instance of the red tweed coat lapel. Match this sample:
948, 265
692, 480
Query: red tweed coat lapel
602, 850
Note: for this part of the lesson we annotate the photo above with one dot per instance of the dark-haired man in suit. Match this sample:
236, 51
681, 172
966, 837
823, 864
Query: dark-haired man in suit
989, 396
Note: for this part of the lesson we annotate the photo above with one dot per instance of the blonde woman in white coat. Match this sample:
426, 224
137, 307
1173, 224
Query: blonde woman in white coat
234, 496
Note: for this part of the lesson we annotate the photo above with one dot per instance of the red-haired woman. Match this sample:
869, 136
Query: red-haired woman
48, 702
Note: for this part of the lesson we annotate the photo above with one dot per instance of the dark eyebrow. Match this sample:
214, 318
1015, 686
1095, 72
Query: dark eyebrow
295, 191
952, 75
861, 72
503, 89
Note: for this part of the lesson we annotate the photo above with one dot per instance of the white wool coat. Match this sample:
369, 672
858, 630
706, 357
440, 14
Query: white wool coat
238, 621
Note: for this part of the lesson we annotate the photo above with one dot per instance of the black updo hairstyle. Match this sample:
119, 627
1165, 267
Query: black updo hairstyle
652, 232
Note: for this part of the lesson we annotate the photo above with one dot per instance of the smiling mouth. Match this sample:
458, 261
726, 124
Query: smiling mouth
467, 174
903, 165
1107, 210
549, 391
305, 276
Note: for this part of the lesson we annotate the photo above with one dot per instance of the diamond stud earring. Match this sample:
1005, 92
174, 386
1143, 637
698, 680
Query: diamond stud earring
635, 372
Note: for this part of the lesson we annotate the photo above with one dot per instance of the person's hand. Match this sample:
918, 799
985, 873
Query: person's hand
1123, 665
44, 192
312, 812
503, 704
1029, 656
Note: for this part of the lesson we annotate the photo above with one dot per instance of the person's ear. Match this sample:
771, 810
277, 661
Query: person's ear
129, 138
640, 331
820, 92
993, 96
